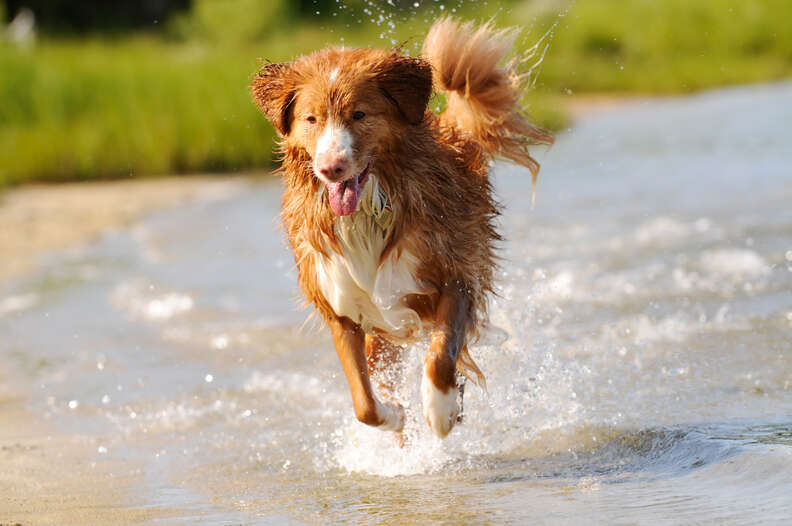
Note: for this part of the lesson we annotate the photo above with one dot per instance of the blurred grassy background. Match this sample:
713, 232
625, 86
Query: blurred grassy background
103, 100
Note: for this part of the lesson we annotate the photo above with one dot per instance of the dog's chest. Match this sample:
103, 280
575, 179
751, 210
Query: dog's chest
358, 287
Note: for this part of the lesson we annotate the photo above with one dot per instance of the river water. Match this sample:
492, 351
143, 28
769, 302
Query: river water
638, 357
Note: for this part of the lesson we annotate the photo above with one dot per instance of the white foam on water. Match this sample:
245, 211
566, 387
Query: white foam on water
21, 302
168, 417
555, 287
284, 383
723, 271
296, 395
734, 263
662, 230
141, 299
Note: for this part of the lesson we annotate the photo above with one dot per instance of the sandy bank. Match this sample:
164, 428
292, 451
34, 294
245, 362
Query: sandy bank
587, 104
38, 219
54, 480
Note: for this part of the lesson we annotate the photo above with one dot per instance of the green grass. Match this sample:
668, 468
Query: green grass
669, 46
80, 110
178, 101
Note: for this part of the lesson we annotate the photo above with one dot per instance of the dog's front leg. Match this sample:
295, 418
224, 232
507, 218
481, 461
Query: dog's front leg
438, 387
350, 345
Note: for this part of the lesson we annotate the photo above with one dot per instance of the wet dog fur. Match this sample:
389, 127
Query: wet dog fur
389, 208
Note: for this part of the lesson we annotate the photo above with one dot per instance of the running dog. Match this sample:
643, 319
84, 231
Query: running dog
388, 207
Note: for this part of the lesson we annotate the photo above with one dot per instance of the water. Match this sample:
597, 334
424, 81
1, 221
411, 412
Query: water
639, 356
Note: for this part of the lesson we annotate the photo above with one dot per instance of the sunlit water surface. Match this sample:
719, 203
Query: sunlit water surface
638, 357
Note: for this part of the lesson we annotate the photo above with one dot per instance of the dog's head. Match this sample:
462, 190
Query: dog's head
343, 107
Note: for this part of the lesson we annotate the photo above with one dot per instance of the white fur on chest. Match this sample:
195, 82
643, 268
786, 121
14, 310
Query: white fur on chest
357, 286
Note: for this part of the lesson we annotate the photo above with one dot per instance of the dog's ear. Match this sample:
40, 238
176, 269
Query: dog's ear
274, 89
407, 83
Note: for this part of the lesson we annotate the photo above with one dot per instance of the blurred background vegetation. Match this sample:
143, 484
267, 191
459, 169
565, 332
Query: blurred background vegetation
95, 89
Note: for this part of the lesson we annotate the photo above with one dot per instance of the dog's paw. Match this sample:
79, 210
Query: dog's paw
440, 409
392, 417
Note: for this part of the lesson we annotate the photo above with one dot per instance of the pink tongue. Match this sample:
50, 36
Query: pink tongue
344, 196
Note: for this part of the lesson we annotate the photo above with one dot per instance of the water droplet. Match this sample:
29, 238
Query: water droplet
208, 378
220, 341
73, 404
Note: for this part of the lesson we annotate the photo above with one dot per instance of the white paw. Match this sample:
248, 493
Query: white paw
440, 409
392, 416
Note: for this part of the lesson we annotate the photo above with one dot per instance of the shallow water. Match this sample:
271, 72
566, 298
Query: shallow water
639, 355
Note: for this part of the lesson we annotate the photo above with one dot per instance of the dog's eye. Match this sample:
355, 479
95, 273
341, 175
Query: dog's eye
311, 119
358, 115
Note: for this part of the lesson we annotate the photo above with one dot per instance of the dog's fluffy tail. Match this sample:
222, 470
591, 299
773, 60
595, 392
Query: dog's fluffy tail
483, 95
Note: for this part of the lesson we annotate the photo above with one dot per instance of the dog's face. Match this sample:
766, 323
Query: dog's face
343, 108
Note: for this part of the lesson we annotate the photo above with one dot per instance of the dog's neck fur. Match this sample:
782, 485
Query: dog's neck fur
358, 282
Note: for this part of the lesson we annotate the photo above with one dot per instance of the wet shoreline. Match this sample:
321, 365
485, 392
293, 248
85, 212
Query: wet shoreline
39, 222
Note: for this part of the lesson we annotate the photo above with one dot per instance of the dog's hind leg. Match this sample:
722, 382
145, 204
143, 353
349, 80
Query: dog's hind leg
439, 386
349, 341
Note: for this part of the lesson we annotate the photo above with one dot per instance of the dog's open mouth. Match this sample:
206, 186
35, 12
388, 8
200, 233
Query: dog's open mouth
344, 196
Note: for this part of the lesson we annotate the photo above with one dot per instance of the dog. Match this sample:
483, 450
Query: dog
389, 208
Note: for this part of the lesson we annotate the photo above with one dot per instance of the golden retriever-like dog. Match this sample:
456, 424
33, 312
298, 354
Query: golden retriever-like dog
389, 208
